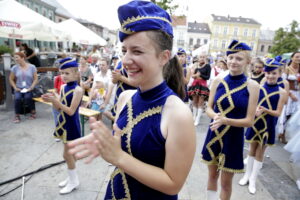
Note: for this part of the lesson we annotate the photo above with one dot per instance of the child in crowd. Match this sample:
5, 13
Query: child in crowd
86, 75
262, 134
68, 125
97, 96
231, 106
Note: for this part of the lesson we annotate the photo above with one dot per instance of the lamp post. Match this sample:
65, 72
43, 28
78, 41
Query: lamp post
8, 96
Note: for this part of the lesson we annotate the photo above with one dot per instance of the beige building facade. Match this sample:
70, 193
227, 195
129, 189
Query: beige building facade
226, 28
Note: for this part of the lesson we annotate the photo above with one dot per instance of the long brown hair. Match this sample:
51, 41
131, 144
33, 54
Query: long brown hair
172, 71
293, 54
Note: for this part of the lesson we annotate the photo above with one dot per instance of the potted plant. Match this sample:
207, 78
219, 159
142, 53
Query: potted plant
5, 49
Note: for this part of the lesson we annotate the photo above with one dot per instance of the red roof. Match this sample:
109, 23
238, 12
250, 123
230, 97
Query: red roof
179, 20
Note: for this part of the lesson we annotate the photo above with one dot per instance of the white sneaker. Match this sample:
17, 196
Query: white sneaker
251, 188
63, 183
244, 181
298, 184
211, 195
69, 188
246, 161
252, 180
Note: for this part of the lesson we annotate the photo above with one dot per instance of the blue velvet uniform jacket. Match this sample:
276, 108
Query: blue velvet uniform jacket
68, 127
142, 138
224, 146
263, 130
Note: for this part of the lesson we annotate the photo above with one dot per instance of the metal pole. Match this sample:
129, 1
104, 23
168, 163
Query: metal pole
14, 45
8, 95
23, 184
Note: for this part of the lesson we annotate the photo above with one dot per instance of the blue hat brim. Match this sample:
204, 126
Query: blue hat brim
137, 16
67, 63
236, 46
271, 64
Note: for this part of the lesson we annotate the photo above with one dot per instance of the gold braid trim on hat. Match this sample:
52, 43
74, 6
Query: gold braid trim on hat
271, 64
138, 18
238, 49
233, 47
127, 31
68, 61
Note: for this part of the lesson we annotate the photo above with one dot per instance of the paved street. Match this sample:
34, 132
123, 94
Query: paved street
29, 145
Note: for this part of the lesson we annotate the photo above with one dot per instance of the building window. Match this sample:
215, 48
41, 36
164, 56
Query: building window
26, 3
205, 41
217, 30
198, 41
191, 41
44, 12
269, 48
223, 44
215, 43
225, 31
181, 35
262, 48
50, 15
245, 32
253, 33
180, 43
36, 9
60, 20
235, 32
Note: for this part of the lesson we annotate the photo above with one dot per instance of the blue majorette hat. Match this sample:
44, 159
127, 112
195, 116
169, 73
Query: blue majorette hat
137, 16
181, 51
281, 60
67, 63
271, 64
236, 46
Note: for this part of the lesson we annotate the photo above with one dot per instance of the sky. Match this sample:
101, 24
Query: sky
270, 15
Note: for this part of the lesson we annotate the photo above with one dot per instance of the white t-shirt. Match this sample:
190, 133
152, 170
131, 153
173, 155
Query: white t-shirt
105, 78
94, 68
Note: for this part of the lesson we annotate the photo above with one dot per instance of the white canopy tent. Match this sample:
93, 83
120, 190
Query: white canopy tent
19, 22
80, 34
203, 49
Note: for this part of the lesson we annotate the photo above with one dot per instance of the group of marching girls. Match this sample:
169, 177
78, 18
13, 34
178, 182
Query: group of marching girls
237, 102
153, 143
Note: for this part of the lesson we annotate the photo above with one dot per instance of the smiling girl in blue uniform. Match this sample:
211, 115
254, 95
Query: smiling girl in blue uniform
153, 144
231, 106
271, 100
68, 125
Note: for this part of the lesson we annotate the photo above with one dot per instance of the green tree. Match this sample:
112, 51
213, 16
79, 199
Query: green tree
166, 5
286, 40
